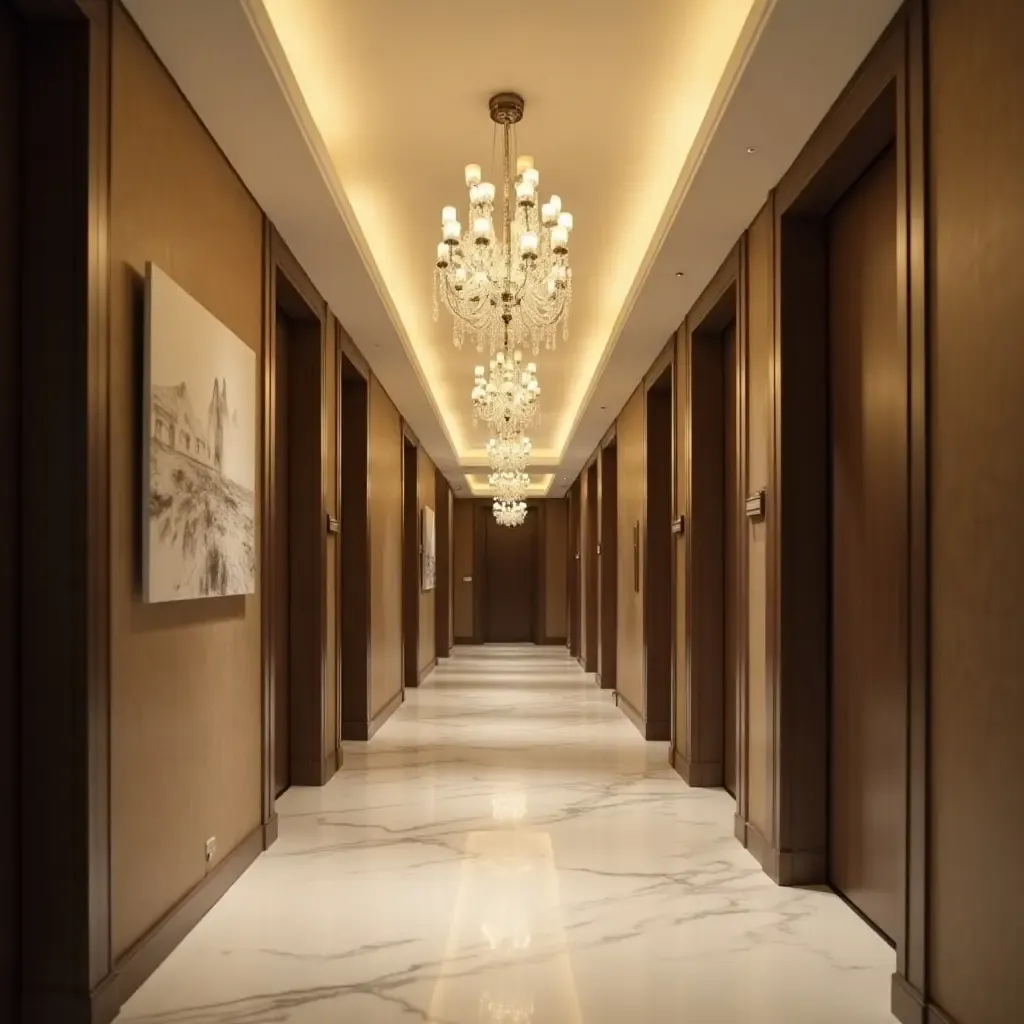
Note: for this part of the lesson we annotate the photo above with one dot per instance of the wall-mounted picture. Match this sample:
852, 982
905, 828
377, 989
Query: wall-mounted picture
199, 474
429, 571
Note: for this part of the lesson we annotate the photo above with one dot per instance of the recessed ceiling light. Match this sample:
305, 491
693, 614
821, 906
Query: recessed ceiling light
679, 273
751, 149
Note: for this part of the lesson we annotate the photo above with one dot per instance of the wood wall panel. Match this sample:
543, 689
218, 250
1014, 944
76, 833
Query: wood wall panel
629, 433
976, 214
426, 496
443, 596
185, 748
556, 580
463, 566
607, 564
385, 487
680, 651
760, 331
9, 499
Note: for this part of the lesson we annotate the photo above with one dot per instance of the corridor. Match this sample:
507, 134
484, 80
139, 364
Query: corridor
508, 849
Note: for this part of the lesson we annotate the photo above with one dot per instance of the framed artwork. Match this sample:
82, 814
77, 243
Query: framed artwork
199, 450
429, 550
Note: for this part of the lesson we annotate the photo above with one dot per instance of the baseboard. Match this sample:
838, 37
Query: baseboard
652, 731
698, 774
426, 670
313, 773
787, 867
907, 1004
739, 828
161, 940
270, 831
384, 714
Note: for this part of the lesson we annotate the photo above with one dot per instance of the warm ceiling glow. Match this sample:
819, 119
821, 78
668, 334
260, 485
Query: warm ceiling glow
399, 133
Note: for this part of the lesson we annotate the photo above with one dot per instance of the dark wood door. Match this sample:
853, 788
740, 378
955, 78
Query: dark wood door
510, 581
868, 387
730, 683
281, 595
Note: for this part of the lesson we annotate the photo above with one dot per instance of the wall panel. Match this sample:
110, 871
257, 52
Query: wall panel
385, 485
185, 678
426, 495
629, 432
976, 215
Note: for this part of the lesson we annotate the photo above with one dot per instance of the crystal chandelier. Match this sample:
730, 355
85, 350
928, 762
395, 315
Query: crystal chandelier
506, 399
511, 453
512, 289
509, 513
509, 485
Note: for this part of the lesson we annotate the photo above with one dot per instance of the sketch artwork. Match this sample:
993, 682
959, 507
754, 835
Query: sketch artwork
429, 571
199, 534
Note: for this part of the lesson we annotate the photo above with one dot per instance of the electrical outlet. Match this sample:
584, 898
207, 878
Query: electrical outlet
211, 848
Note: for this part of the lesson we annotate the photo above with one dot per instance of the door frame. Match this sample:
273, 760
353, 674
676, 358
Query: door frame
311, 762
698, 755
411, 547
885, 104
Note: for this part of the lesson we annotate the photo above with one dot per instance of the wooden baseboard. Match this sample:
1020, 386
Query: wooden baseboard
652, 731
909, 1006
787, 867
270, 831
363, 731
161, 940
426, 670
698, 774
739, 828
313, 773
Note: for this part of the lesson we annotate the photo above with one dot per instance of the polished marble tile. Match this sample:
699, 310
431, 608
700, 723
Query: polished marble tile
508, 849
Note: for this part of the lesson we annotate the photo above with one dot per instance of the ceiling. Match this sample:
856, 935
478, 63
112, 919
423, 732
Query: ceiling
662, 125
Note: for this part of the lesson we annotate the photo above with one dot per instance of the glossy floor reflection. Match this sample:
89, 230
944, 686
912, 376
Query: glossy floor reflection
508, 849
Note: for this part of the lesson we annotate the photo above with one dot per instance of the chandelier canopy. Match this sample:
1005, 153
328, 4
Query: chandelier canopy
506, 399
506, 278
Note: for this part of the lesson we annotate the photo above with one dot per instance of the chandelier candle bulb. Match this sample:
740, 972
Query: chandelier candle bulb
448, 214
525, 193
524, 163
528, 244
532, 175
556, 204
442, 254
452, 233
565, 221
486, 192
472, 174
560, 239
482, 230
548, 215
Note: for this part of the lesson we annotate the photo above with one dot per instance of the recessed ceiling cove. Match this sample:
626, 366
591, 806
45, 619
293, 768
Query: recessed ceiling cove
351, 123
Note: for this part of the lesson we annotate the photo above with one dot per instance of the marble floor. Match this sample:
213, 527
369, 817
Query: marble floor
508, 849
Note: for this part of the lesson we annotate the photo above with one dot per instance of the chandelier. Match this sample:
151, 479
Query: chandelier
508, 282
509, 513
509, 485
506, 399
512, 453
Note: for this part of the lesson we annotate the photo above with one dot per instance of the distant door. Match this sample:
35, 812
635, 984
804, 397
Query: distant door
510, 581
868, 392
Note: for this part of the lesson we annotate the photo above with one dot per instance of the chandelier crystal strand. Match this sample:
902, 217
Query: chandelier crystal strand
511, 291
509, 453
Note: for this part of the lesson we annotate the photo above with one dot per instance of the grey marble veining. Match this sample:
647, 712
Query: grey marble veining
508, 849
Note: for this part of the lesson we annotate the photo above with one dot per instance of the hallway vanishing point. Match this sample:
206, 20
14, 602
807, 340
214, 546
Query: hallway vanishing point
508, 849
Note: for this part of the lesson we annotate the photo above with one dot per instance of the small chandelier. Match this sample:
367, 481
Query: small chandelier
509, 453
509, 513
506, 399
511, 288
509, 485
